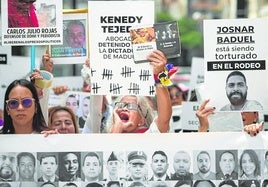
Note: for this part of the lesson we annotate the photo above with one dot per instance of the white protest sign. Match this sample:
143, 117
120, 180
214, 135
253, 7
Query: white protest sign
197, 72
188, 118
225, 121
236, 46
196, 77
113, 70
75, 40
41, 24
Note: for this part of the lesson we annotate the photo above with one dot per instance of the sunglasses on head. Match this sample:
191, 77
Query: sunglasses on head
130, 106
14, 103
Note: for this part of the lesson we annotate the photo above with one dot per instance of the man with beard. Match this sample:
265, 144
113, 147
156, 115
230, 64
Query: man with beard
181, 165
227, 166
203, 164
7, 166
159, 166
236, 91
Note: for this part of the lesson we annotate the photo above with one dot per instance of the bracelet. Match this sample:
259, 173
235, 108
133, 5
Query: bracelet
159, 85
164, 76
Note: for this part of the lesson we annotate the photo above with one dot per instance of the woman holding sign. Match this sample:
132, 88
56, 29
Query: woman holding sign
132, 114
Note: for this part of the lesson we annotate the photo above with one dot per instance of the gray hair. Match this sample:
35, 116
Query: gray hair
145, 110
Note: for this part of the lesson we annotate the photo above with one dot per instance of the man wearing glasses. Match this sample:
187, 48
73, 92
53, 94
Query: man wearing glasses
75, 36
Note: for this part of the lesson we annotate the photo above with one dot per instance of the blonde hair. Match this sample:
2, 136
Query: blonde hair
145, 111
54, 109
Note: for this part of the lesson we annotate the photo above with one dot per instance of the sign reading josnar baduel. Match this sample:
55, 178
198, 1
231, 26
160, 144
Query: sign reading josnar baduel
236, 64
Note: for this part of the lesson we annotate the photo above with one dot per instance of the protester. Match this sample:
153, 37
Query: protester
21, 13
177, 95
63, 119
132, 114
22, 110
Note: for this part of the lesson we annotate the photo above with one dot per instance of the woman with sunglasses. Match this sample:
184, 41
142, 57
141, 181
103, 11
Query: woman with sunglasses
133, 114
22, 110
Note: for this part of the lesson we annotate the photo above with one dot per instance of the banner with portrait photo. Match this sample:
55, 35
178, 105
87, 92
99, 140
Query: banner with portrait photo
136, 152
111, 58
236, 64
75, 40
31, 22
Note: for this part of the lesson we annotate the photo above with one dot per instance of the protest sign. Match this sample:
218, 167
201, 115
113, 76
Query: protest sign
75, 40
235, 47
189, 120
39, 24
111, 59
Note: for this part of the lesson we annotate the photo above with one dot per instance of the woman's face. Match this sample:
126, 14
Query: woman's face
175, 96
22, 117
62, 120
248, 165
130, 118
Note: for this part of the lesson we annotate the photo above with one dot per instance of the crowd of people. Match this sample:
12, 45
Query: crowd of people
26, 112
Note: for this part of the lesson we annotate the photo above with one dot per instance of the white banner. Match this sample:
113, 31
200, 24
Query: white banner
124, 148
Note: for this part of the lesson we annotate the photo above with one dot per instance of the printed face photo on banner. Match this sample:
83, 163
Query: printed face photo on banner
78, 101
74, 49
127, 167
